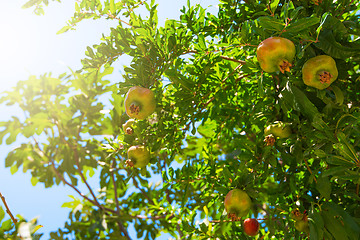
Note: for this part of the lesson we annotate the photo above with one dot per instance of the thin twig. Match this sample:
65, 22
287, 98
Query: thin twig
239, 220
115, 188
142, 191
224, 221
309, 169
203, 106
69, 184
80, 193
223, 57
8, 209
83, 177
108, 15
233, 60
123, 229
153, 217
213, 97
76, 157
116, 18
180, 232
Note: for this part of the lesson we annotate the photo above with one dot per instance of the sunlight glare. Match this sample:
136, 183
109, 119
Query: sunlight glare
18, 46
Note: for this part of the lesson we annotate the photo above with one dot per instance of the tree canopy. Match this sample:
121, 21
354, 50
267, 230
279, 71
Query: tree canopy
206, 136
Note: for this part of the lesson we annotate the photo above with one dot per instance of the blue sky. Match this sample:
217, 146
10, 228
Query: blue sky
29, 46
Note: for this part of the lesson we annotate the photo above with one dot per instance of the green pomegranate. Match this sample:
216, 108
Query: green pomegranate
319, 72
278, 129
127, 126
237, 203
296, 215
302, 226
301, 221
138, 156
276, 54
139, 102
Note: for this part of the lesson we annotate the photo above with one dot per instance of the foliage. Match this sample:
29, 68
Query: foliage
206, 136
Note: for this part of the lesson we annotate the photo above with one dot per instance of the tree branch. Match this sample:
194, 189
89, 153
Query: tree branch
223, 57
76, 157
96, 203
181, 235
8, 209
153, 217
69, 184
233, 60
120, 224
309, 169
142, 191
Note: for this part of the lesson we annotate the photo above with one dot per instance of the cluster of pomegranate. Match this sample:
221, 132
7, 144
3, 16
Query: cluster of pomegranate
139, 104
237, 204
276, 54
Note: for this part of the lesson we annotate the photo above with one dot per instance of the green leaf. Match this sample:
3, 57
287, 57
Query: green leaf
178, 78
339, 160
206, 210
333, 38
297, 151
271, 23
345, 149
333, 225
34, 181
201, 40
344, 219
274, 4
320, 153
13, 169
112, 7
335, 171
2, 214
171, 172
316, 224
295, 13
261, 86
332, 47
323, 185
63, 29
323, 127
31, 3
7, 225
299, 101
339, 95
302, 24
77, 8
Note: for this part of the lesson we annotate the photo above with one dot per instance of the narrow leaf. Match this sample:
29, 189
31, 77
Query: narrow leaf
323, 185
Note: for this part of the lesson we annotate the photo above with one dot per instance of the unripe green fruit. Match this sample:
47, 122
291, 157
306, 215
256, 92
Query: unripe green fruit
296, 215
127, 126
302, 226
139, 102
319, 72
237, 202
276, 54
278, 129
139, 156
